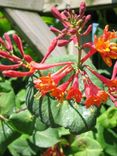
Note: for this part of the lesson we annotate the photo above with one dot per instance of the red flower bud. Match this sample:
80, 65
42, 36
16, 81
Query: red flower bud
19, 43
55, 30
8, 43
62, 42
82, 8
56, 13
28, 58
5, 54
8, 67
12, 73
88, 30
50, 49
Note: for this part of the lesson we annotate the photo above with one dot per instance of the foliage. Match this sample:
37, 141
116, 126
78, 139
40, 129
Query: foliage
32, 125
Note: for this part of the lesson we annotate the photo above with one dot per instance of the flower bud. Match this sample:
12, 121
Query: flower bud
19, 44
8, 43
62, 42
88, 30
82, 8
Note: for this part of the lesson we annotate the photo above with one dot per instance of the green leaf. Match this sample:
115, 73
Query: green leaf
109, 118
76, 118
20, 98
22, 147
39, 125
46, 138
108, 140
7, 135
86, 146
7, 98
22, 121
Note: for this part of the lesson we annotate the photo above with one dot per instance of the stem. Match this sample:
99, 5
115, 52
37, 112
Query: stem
79, 51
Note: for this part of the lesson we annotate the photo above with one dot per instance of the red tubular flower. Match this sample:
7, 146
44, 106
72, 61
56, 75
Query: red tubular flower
59, 92
43, 66
47, 83
9, 67
60, 74
19, 44
63, 42
106, 81
50, 49
5, 54
82, 8
74, 92
8, 43
87, 31
94, 95
111, 84
28, 58
12, 73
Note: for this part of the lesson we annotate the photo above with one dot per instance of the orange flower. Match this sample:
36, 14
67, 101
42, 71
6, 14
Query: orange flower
105, 46
49, 83
74, 92
45, 84
58, 94
94, 95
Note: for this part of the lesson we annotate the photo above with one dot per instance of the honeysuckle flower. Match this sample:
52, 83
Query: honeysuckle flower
73, 92
59, 92
110, 83
9, 67
94, 95
7, 42
44, 66
106, 81
13, 58
73, 27
13, 73
103, 45
49, 82
45, 84
16, 62
19, 44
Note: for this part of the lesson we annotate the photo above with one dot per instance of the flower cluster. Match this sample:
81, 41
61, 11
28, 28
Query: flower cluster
64, 84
